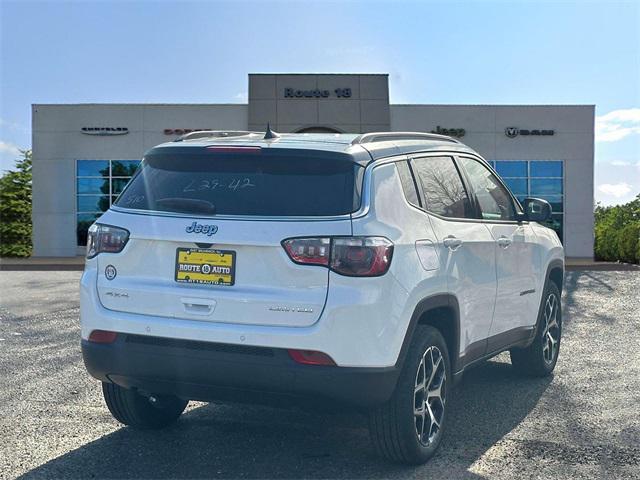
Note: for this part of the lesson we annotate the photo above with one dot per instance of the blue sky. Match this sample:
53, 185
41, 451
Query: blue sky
448, 52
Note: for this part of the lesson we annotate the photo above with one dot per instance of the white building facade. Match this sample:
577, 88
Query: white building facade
84, 154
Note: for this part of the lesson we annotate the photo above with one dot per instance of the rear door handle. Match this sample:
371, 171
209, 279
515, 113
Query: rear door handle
452, 243
198, 306
504, 242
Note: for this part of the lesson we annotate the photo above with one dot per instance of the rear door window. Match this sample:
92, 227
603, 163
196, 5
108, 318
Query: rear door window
258, 183
442, 187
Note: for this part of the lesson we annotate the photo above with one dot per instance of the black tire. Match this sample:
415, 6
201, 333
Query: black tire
394, 426
535, 359
129, 407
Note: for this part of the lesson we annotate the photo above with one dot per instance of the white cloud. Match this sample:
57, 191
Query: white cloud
617, 190
618, 124
242, 96
13, 126
8, 148
8, 155
621, 163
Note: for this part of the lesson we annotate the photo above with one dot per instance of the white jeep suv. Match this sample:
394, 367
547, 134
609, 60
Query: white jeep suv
369, 270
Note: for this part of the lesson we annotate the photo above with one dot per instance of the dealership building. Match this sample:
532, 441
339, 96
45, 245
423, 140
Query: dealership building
84, 154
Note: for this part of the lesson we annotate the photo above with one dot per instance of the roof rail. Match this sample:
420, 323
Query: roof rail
394, 136
212, 134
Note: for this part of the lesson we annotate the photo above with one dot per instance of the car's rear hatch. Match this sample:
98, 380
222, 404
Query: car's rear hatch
206, 226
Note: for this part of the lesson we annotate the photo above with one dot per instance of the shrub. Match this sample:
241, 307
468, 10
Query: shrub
628, 240
617, 232
15, 209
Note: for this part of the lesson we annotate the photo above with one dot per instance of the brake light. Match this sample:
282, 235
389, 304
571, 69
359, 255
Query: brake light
238, 149
311, 357
102, 336
107, 239
350, 256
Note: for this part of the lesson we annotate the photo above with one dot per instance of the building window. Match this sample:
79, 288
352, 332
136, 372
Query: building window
98, 184
537, 178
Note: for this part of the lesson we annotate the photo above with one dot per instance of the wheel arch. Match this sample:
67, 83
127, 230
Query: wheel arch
555, 273
440, 311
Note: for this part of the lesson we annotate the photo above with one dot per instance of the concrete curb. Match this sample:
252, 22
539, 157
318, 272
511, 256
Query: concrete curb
42, 263
604, 267
40, 267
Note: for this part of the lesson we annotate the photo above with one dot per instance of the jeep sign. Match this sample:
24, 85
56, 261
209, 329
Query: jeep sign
451, 132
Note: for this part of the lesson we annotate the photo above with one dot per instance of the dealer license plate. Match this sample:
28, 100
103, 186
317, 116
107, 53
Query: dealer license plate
205, 266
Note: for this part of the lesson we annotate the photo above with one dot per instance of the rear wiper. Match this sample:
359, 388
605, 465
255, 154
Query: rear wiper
186, 205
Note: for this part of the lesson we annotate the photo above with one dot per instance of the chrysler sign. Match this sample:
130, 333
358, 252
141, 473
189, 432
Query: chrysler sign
103, 131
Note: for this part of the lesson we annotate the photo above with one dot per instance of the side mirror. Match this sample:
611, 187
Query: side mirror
537, 210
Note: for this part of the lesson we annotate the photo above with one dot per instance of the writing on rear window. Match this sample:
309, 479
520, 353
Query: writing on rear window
212, 184
271, 184
132, 200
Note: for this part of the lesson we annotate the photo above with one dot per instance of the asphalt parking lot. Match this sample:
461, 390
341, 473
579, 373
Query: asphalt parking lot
584, 422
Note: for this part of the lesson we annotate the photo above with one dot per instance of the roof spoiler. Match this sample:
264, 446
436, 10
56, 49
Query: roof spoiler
213, 134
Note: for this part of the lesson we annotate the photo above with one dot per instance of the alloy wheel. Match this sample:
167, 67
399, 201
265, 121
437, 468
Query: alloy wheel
429, 395
551, 332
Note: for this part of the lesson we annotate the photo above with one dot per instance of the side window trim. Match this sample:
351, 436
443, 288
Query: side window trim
467, 186
417, 191
514, 201
423, 201
418, 183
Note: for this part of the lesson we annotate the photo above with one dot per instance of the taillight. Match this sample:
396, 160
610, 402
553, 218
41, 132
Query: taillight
361, 256
308, 251
351, 256
107, 239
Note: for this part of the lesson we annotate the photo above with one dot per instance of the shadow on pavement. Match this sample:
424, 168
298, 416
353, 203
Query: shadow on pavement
574, 309
219, 441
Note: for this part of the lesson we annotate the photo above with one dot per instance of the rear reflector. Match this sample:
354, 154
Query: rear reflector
311, 357
102, 336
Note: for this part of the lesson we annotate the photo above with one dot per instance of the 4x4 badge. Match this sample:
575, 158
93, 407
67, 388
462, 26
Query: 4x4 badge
208, 230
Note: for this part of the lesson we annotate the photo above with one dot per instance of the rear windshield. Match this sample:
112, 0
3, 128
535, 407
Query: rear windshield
260, 184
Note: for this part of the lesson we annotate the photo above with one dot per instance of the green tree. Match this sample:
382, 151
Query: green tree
15, 209
617, 232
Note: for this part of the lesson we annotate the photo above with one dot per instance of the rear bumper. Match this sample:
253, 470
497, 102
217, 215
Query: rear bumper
359, 327
208, 371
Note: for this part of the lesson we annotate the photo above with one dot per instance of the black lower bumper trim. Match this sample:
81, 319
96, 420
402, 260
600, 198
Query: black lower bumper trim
205, 371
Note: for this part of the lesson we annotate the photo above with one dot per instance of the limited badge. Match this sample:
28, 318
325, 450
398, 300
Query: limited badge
110, 272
